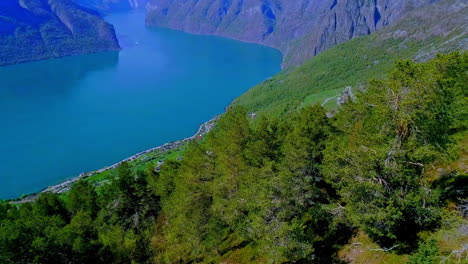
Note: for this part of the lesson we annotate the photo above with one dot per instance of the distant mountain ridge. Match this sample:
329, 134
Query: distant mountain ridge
437, 28
41, 29
300, 28
112, 5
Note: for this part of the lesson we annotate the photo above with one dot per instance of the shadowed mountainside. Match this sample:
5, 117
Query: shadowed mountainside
112, 5
40, 29
316, 25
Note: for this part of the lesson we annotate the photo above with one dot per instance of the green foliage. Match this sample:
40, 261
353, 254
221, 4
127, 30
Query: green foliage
82, 197
452, 186
164, 186
278, 191
113, 228
387, 137
262, 185
426, 254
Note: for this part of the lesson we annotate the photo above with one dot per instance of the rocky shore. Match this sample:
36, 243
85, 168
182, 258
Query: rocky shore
66, 185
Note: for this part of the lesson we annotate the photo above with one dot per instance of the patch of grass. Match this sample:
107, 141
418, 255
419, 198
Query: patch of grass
322, 97
244, 255
451, 237
361, 249
99, 177
141, 163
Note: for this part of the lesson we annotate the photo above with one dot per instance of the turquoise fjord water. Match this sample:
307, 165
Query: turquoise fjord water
66, 116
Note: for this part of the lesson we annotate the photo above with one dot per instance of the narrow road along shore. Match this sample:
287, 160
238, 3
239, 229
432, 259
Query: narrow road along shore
66, 185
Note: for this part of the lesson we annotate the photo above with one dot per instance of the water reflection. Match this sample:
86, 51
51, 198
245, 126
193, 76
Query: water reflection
59, 118
51, 77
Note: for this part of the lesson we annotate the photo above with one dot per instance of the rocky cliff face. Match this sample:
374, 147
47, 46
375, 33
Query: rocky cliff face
112, 5
41, 29
299, 28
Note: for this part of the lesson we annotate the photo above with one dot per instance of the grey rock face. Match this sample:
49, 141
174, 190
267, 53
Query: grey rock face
41, 29
299, 28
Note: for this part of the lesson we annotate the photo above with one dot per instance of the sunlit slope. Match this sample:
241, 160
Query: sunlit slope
426, 32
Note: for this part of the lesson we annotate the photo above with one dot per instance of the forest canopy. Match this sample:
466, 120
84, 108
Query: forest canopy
293, 190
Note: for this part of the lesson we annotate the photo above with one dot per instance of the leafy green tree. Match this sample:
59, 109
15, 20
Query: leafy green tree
188, 209
426, 254
227, 146
385, 140
118, 245
49, 204
4, 208
303, 153
300, 184
165, 184
264, 144
82, 197
81, 236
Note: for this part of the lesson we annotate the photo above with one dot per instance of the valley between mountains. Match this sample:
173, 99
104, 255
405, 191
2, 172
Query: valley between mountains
356, 152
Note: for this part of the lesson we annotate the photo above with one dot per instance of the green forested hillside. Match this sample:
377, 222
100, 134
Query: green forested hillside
419, 36
300, 189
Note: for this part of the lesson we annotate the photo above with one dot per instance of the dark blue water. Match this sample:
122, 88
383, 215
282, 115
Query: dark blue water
61, 117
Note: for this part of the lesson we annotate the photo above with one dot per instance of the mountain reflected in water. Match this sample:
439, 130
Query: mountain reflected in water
62, 117
53, 76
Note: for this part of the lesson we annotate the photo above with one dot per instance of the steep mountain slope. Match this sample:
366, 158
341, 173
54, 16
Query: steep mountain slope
441, 27
112, 5
317, 25
41, 29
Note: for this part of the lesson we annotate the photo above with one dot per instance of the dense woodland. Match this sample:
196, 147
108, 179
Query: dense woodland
289, 190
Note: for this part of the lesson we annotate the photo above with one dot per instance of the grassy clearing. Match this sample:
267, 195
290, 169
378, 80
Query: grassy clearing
362, 250
322, 97
150, 159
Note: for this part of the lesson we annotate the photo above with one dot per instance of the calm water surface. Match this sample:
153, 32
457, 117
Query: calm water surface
61, 117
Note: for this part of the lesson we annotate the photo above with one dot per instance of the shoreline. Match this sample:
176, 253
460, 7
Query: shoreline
67, 184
